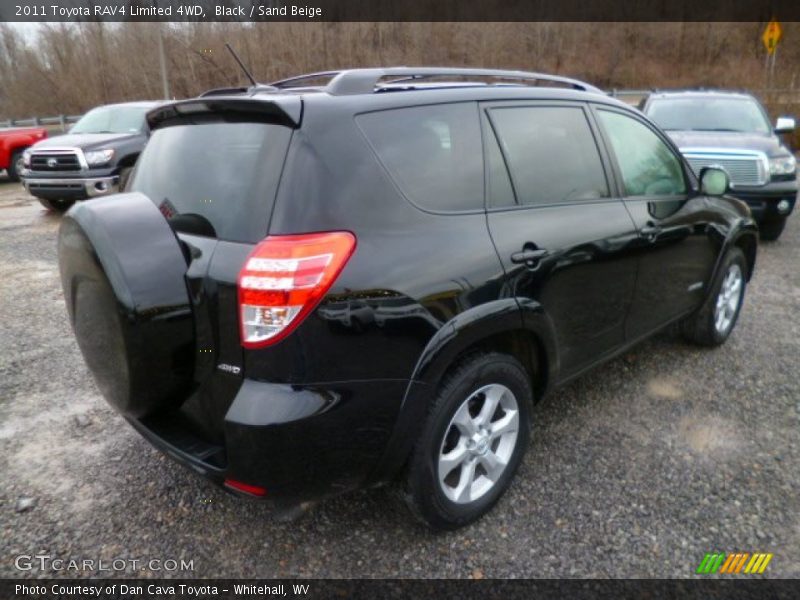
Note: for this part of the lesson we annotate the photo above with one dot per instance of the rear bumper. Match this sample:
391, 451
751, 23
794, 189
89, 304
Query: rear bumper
299, 443
764, 201
70, 188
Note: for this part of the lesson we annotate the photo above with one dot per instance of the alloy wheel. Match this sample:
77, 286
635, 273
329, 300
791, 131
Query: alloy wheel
478, 443
728, 299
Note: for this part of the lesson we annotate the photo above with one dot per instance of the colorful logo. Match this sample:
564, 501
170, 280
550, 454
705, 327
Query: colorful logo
737, 562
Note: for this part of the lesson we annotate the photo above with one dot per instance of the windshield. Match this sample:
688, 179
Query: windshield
112, 119
215, 179
709, 114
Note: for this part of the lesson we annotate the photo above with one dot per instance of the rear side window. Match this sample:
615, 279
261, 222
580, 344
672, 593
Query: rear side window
433, 153
221, 178
551, 153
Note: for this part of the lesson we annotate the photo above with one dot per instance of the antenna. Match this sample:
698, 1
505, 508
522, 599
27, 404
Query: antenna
241, 64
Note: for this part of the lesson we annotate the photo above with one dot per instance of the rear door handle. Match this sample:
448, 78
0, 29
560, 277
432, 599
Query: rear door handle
529, 257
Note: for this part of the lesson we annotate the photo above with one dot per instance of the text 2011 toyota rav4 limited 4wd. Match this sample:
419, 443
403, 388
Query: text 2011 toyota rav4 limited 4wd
310, 289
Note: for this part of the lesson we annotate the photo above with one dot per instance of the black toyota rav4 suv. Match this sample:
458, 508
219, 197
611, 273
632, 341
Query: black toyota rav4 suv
359, 277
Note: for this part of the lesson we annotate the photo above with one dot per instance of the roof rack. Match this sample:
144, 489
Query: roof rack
365, 81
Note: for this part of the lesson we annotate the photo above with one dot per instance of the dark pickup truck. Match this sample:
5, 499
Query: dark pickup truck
91, 160
732, 130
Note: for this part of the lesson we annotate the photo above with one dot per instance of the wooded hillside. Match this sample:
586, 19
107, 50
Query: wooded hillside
70, 68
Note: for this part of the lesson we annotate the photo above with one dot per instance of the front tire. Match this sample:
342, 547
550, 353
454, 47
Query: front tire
771, 229
16, 166
472, 443
714, 322
56, 205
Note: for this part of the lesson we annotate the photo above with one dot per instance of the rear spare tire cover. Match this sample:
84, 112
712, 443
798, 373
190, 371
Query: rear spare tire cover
123, 275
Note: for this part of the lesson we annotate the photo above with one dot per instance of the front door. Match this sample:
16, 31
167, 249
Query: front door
676, 244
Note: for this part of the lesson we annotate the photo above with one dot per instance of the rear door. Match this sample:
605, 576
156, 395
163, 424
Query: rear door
676, 244
563, 236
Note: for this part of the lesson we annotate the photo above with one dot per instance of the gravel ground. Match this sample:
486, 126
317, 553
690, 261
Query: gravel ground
635, 470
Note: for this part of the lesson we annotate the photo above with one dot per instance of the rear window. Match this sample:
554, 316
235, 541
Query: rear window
217, 179
433, 153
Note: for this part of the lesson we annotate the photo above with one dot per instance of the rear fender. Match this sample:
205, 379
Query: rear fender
456, 337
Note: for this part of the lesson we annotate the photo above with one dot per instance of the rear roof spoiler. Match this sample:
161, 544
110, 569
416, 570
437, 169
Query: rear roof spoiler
283, 110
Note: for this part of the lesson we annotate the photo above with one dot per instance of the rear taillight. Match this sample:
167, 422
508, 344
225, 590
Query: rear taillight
284, 278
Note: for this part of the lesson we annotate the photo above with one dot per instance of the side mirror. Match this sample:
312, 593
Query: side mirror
784, 125
714, 181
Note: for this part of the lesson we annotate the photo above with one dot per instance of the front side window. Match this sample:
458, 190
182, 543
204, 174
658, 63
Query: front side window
433, 153
649, 167
551, 153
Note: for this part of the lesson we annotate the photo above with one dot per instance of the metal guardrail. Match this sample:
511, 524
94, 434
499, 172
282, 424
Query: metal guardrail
61, 120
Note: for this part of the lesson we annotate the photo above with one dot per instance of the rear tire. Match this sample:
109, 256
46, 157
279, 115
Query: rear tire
16, 166
714, 322
771, 229
472, 443
56, 205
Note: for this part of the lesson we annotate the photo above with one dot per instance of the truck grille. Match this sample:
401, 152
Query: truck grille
52, 161
743, 169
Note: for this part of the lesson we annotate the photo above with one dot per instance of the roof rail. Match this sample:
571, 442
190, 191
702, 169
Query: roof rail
364, 81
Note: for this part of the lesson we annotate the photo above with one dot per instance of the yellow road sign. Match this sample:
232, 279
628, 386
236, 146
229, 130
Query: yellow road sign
771, 36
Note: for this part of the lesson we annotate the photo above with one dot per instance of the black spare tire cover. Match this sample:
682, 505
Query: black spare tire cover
123, 275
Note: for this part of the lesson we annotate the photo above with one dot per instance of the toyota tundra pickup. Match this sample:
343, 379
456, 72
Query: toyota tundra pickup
13, 143
732, 130
93, 159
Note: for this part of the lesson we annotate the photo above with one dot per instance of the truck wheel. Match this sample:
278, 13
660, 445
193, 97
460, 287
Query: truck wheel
16, 166
771, 229
714, 322
472, 442
59, 205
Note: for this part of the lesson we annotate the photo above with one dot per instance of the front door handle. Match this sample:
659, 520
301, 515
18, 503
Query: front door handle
529, 257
